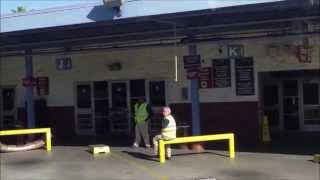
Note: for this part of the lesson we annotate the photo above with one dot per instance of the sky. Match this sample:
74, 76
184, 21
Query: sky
8, 5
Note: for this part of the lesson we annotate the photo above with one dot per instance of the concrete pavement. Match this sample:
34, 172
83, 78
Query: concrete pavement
74, 162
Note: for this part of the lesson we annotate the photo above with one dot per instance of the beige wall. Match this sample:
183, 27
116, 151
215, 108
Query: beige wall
152, 63
12, 71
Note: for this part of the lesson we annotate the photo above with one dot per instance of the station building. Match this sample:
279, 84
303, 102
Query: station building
84, 66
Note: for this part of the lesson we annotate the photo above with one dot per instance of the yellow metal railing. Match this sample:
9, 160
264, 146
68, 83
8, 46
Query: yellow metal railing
47, 131
228, 136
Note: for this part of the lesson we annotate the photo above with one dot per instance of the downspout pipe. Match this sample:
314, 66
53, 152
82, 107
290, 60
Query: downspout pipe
29, 89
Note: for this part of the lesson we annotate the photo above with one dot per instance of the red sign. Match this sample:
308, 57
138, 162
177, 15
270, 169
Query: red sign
304, 54
192, 73
31, 81
205, 78
43, 86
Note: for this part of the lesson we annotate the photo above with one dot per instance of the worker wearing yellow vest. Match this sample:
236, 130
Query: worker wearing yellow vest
168, 131
142, 115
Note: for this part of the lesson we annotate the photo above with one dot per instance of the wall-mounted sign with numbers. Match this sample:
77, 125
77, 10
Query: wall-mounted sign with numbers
244, 77
221, 73
63, 63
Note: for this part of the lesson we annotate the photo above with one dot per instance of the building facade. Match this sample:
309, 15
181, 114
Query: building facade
246, 72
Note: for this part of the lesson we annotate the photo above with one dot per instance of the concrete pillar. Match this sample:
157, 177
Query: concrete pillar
29, 90
195, 104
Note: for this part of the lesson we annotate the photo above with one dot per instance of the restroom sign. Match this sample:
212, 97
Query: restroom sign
205, 78
63, 63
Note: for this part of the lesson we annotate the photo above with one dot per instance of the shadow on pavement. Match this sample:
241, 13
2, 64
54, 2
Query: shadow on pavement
195, 153
242, 174
140, 155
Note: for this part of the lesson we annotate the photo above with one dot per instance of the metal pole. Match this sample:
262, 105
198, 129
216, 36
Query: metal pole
175, 54
29, 90
195, 97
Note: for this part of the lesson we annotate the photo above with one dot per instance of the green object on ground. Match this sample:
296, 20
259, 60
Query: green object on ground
316, 158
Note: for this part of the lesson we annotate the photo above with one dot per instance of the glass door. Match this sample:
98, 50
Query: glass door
290, 102
84, 111
311, 104
271, 105
101, 107
8, 108
119, 113
157, 99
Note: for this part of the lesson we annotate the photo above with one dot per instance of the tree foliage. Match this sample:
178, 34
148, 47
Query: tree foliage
19, 9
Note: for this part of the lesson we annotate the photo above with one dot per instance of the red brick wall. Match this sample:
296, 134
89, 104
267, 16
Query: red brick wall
238, 117
60, 119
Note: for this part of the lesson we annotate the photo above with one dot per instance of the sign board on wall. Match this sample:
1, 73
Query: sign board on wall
43, 86
191, 61
244, 77
192, 64
221, 73
205, 78
304, 54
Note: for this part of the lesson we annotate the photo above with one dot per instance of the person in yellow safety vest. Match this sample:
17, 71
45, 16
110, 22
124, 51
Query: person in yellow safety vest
142, 115
168, 131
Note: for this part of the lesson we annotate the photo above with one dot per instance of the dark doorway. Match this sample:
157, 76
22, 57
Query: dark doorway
290, 104
101, 106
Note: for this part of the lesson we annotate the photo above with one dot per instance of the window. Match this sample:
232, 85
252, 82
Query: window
157, 93
101, 89
8, 99
270, 95
84, 96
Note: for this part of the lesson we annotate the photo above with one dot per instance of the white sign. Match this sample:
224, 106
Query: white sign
235, 50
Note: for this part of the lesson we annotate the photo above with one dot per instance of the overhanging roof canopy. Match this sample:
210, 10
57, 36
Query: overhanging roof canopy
263, 16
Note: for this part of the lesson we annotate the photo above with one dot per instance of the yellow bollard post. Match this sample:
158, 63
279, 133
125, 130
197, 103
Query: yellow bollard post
265, 130
316, 158
48, 139
231, 146
162, 152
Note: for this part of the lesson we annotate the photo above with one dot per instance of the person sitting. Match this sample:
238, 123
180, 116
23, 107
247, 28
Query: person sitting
168, 131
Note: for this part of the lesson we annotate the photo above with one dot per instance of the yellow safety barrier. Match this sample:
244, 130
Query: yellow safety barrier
47, 131
228, 136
